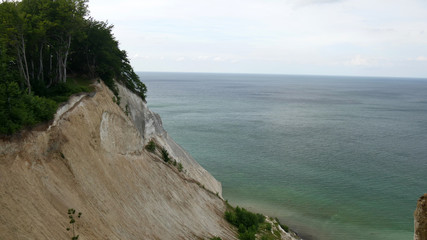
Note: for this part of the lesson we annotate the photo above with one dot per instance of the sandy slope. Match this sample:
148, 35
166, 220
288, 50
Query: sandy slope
92, 158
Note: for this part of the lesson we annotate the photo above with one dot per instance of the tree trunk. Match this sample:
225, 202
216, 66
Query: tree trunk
40, 76
64, 65
59, 63
50, 77
23, 62
32, 68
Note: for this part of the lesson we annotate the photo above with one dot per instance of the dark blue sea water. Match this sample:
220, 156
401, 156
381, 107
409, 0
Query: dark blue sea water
332, 157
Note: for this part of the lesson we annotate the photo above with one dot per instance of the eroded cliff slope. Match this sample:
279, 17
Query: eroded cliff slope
92, 158
420, 221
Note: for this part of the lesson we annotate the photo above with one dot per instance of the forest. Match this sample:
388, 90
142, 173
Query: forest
49, 50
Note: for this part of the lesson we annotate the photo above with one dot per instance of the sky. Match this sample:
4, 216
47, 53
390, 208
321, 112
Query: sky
310, 37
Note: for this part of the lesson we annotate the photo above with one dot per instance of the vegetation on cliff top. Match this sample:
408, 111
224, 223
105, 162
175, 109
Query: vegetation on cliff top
253, 226
43, 44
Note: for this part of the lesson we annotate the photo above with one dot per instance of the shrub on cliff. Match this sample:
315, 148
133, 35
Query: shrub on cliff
19, 109
165, 155
246, 222
151, 146
180, 167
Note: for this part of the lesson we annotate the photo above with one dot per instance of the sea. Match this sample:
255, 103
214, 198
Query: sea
334, 158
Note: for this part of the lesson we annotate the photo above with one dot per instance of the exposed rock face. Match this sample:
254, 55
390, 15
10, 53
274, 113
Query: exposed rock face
92, 159
150, 126
420, 222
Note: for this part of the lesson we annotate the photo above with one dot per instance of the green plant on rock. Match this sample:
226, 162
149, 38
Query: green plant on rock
247, 222
180, 167
215, 238
284, 227
151, 146
165, 155
71, 214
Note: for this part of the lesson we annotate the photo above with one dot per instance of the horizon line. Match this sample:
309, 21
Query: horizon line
285, 74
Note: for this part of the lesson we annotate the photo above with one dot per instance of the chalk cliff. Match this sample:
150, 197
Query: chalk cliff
420, 221
149, 126
92, 158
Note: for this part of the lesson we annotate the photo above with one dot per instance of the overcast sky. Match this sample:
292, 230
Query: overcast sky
327, 37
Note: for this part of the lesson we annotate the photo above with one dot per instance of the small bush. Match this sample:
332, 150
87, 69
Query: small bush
165, 155
180, 167
284, 227
19, 109
246, 222
268, 237
268, 227
248, 235
151, 146
215, 238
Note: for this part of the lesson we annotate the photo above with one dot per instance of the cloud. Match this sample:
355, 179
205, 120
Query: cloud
319, 1
218, 59
203, 58
359, 61
309, 33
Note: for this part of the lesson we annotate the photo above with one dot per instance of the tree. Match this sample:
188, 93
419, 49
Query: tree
12, 35
51, 26
100, 52
40, 42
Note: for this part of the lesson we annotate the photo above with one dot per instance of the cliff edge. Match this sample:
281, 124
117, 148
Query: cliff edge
92, 158
420, 219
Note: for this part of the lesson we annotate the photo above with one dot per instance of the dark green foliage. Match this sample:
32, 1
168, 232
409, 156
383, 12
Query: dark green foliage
62, 91
284, 227
268, 227
165, 155
151, 146
247, 222
19, 109
248, 235
71, 214
268, 237
242, 228
180, 167
215, 238
42, 44
98, 54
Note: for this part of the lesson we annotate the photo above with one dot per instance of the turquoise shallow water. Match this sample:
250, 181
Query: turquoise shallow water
332, 157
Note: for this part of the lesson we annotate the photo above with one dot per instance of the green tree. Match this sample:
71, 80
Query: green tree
102, 57
41, 41
12, 34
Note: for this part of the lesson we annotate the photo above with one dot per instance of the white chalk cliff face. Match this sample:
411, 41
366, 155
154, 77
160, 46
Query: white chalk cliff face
150, 126
92, 158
